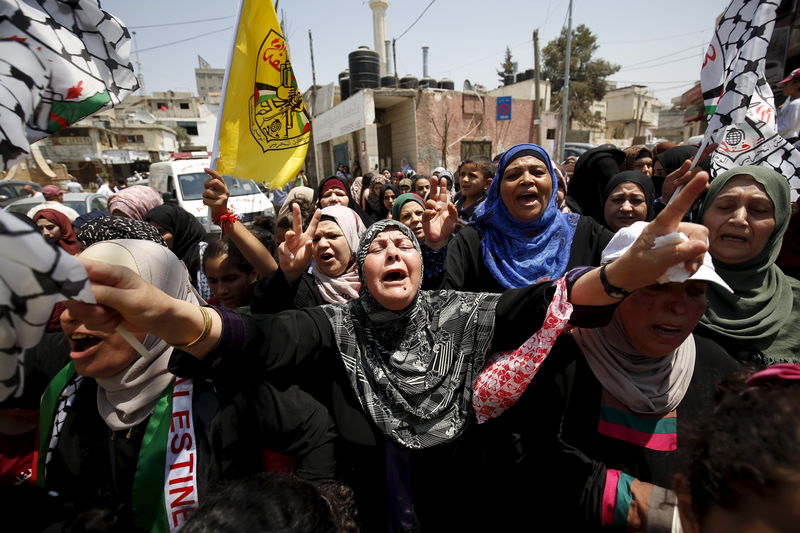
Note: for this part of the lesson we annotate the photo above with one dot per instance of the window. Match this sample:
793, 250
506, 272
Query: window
161, 106
184, 105
551, 133
190, 127
476, 148
130, 138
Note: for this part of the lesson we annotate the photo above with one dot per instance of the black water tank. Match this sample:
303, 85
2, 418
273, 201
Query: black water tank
427, 82
344, 74
445, 83
365, 69
344, 88
508, 79
530, 74
389, 82
409, 82
519, 77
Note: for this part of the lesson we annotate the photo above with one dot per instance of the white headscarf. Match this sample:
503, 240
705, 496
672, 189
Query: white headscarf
127, 398
345, 286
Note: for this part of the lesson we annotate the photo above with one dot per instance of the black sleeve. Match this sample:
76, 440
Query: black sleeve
588, 244
275, 295
463, 257
519, 314
261, 343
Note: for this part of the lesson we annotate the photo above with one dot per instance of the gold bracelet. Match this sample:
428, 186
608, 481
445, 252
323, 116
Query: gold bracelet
207, 322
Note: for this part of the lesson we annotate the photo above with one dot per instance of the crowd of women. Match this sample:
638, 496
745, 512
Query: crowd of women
607, 343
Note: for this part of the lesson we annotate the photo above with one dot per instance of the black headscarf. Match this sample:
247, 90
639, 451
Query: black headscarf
592, 173
382, 211
640, 179
352, 204
186, 231
672, 160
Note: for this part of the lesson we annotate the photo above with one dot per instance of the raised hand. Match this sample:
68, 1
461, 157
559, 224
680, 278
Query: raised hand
440, 216
216, 194
294, 253
683, 175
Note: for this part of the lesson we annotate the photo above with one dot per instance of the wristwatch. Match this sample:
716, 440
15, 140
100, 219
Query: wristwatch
617, 293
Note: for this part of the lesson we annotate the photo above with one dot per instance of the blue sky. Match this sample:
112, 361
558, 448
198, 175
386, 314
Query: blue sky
466, 39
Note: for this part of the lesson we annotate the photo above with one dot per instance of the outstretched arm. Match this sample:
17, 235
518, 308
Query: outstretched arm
215, 196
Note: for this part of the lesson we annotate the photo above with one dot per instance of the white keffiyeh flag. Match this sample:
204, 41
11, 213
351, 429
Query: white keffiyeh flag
60, 61
738, 98
34, 275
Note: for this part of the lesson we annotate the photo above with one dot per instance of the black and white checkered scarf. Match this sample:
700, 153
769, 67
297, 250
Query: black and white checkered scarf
413, 370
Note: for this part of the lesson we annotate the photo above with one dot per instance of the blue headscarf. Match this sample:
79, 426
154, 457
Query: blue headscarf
519, 254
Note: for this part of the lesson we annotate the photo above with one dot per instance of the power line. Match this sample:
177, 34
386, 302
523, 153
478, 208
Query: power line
184, 40
662, 57
693, 56
182, 23
413, 23
655, 39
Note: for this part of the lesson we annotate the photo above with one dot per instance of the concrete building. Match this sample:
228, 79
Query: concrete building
526, 90
631, 115
583, 133
670, 124
209, 81
430, 127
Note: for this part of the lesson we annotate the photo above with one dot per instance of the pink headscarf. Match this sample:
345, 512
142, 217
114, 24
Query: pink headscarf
134, 202
346, 285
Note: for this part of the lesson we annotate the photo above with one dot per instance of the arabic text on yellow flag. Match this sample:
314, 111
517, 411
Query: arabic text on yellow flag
263, 129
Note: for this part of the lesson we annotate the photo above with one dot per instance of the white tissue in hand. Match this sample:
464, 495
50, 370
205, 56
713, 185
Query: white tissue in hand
676, 273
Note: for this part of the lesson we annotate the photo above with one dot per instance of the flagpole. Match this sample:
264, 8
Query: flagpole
565, 90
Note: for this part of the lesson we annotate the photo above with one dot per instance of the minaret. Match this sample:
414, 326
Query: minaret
378, 8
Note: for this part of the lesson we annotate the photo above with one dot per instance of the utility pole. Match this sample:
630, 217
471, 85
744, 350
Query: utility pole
313, 71
139, 66
537, 108
394, 58
565, 90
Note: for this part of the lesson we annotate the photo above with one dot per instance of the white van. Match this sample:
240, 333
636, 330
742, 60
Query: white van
182, 180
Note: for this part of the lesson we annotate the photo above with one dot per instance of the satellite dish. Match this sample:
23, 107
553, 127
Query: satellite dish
467, 86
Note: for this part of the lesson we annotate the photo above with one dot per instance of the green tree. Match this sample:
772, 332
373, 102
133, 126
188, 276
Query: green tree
587, 79
506, 67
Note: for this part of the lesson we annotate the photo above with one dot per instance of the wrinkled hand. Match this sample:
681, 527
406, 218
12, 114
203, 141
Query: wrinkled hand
683, 175
440, 216
123, 299
641, 266
216, 194
294, 253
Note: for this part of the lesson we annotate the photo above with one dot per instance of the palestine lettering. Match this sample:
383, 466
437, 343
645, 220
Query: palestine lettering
181, 490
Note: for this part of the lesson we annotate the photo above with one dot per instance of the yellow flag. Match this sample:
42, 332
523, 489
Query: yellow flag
263, 128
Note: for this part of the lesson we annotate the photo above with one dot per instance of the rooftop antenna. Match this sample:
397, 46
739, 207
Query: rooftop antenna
139, 66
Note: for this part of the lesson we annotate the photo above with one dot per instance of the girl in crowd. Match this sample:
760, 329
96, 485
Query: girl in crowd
421, 185
231, 278
333, 236
747, 211
134, 202
593, 170
519, 235
56, 228
638, 158
400, 361
184, 235
665, 164
333, 191
629, 198
618, 400
410, 209
742, 472
474, 176
109, 416
389, 194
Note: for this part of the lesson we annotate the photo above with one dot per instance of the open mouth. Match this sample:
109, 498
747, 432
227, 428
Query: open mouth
394, 276
528, 198
326, 256
665, 329
82, 342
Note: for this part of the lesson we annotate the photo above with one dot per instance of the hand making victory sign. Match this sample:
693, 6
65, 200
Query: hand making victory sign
295, 251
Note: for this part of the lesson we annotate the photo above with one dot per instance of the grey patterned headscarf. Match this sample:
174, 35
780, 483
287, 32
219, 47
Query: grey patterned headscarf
413, 370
